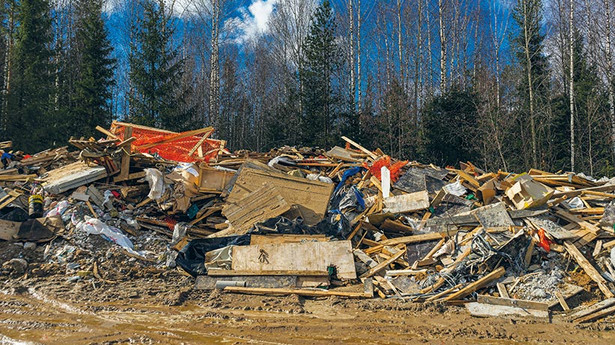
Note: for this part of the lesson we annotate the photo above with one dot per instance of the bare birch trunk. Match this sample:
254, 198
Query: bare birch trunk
571, 52
443, 82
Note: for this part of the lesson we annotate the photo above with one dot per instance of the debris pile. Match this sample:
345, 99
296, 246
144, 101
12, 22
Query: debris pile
346, 222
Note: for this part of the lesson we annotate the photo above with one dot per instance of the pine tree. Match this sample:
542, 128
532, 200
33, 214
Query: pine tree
30, 120
322, 57
92, 92
156, 70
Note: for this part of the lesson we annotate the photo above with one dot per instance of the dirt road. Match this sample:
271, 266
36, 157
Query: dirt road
164, 310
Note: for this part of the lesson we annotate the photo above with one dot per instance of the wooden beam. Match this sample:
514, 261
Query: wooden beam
205, 136
588, 268
107, 133
383, 264
513, 302
230, 273
363, 149
300, 292
472, 287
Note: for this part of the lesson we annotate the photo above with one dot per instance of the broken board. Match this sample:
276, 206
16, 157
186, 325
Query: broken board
407, 202
489, 310
312, 197
307, 256
258, 206
493, 216
209, 282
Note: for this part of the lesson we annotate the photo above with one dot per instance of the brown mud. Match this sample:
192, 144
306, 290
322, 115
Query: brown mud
164, 309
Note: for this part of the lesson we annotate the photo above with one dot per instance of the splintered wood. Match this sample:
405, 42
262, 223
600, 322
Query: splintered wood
257, 206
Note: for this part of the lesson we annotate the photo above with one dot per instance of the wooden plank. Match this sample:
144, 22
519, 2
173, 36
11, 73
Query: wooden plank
311, 197
588, 268
577, 192
512, 302
597, 315
407, 202
593, 308
490, 310
209, 282
432, 236
363, 149
300, 292
472, 287
383, 264
199, 143
502, 290
396, 226
258, 206
562, 300
108, 134
222, 273
290, 238
306, 256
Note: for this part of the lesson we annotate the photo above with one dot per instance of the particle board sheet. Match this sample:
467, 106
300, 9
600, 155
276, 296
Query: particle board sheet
214, 180
307, 256
311, 197
407, 202
258, 206
493, 216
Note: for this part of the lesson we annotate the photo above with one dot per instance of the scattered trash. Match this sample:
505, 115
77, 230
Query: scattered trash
292, 219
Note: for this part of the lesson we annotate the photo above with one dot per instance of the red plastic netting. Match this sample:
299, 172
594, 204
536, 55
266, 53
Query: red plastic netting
171, 145
385, 161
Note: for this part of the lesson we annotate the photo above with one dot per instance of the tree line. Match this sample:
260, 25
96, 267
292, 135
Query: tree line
508, 84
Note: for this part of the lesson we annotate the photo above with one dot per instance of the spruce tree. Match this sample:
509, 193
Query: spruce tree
30, 119
92, 92
322, 57
156, 70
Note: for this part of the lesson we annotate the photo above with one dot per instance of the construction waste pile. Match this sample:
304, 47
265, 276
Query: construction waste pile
346, 222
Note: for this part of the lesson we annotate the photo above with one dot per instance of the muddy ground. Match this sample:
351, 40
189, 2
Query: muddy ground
141, 303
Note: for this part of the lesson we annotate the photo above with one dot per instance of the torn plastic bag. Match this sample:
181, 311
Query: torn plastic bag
608, 217
179, 232
59, 209
281, 160
14, 214
318, 177
455, 189
219, 259
347, 198
575, 203
348, 173
94, 226
155, 179
192, 257
335, 224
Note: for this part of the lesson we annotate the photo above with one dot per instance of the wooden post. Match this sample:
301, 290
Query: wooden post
125, 164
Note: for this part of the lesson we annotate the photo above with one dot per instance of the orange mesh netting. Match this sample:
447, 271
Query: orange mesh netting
180, 147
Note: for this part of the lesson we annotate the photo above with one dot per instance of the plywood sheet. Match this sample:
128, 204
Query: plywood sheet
260, 205
307, 256
312, 197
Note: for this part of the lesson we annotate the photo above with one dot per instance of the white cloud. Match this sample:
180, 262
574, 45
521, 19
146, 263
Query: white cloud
252, 22
179, 6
